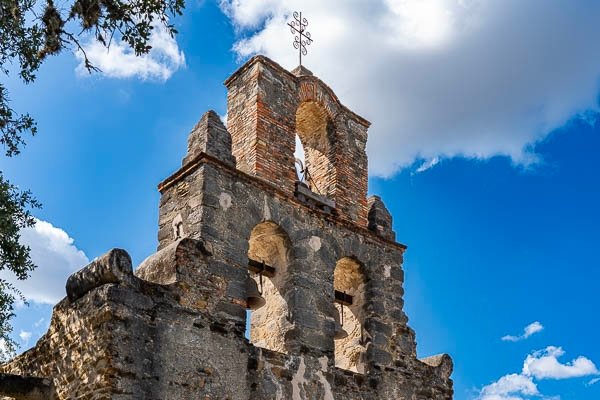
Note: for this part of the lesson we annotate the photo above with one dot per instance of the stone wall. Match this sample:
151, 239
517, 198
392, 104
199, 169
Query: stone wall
142, 338
233, 204
318, 242
145, 340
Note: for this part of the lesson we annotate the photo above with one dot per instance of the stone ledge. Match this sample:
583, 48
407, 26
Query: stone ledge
204, 158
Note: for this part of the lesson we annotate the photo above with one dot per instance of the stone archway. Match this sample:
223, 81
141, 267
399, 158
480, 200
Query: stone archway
270, 244
348, 278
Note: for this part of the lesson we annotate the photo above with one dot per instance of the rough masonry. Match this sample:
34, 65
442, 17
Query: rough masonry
310, 266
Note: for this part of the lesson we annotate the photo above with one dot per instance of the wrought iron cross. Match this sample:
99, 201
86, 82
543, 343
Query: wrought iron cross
301, 35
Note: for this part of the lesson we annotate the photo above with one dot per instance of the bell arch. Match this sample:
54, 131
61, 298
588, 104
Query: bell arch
267, 105
316, 132
349, 284
269, 255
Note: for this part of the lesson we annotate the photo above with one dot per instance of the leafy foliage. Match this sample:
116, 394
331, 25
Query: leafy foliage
30, 32
15, 215
27, 39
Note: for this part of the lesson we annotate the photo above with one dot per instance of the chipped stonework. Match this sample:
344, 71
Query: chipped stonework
328, 394
177, 225
266, 210
387, 271
298, 382
225, 201
315, 243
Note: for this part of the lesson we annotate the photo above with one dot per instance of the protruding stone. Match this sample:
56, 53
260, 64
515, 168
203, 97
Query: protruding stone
301, 70
166, 266
380, 219
210, 136
112, 267
442, 363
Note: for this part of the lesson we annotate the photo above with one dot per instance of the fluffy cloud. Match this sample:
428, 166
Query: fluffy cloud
509, 387
541, 364
427, 165
544, 364
25, 336
56, 257
441, 78
119, 61
529, 330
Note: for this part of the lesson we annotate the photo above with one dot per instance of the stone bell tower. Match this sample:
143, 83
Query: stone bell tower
310, 268
322, 255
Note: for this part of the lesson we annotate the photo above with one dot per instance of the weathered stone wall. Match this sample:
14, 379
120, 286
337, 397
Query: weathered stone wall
318, 243
145, 340
141, 339
77, 350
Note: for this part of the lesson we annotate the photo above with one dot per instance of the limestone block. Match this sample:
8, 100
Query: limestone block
112, 267
380, 219
442, 363
166, 265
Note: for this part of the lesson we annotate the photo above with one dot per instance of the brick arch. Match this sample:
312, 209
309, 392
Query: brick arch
322, 158
341, 170
312, 89
317, 133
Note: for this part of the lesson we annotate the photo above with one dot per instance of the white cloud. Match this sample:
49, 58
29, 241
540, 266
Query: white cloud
25, 337
223, 119
441, 78
426, 165
509, 387
56, 257
539, 365
593, 381
6, 351
529, 330
544, 364
121, 62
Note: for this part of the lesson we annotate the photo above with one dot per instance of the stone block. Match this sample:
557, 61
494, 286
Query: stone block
112, 267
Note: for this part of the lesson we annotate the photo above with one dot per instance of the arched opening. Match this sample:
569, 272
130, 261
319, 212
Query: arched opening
269, 245
349, 280
316, 131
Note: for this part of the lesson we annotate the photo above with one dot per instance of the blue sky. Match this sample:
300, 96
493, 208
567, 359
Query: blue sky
483, 146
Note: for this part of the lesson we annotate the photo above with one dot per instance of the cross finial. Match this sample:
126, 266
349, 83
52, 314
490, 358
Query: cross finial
301, 35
